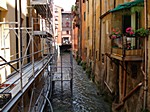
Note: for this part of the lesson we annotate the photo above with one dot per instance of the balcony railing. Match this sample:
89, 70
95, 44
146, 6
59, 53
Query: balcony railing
43, 7
38, 1
127, 48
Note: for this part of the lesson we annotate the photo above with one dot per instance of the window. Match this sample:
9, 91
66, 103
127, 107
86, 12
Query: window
88, 32
90, 53
0, 16
126, 23
84, 16
102, 58
56, 11
67, 32
96, 54
88, 6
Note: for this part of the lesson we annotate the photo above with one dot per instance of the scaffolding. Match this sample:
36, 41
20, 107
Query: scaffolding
31, 78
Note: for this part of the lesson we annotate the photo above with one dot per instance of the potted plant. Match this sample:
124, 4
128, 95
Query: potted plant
130, 32
130, 38
142, 32
116, 33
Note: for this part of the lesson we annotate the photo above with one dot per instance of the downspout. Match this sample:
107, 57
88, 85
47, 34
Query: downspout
146, 54
94, 37
93, 29
100, 22
80, 33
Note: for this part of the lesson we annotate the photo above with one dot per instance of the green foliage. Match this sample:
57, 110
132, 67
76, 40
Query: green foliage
84, 65
78, 59
142, 32
93, 77
74, 8
88, 72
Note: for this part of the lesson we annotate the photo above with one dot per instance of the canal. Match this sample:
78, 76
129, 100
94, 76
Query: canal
84, 97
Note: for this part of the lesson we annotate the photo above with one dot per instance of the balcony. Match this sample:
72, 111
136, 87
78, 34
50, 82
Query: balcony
127, 48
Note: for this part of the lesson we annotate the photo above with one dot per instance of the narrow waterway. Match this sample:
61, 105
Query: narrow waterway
84, 97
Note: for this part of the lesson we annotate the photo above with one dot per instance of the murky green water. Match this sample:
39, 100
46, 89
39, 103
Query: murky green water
84, 97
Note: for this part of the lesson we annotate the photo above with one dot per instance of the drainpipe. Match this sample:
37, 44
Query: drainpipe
80, 33
94, 36
100, 23
146, 54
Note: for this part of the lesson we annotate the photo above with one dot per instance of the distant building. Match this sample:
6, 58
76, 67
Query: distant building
57, 24
66, 27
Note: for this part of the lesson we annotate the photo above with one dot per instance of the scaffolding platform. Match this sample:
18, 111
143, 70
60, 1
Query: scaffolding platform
13, 85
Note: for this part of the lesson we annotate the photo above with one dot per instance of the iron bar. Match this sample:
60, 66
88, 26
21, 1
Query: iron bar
32, 49
108, 86
31, 100
9, 64
128, 95
21, 58
22, 28
8, 22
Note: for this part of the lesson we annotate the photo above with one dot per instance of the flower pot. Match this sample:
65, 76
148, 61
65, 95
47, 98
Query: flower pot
131, 42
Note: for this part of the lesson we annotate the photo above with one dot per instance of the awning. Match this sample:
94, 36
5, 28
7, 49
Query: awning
127, 5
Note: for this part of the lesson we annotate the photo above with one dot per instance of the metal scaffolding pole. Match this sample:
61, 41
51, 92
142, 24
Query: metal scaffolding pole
32, 48
20, 50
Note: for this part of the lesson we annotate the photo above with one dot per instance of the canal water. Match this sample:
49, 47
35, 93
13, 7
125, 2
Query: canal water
84, 97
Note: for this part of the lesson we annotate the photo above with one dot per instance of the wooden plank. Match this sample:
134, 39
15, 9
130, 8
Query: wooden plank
133, 52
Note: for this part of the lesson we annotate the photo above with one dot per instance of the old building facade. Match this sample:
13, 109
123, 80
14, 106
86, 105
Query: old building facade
116, 52
66, 27
26, 37
57, 24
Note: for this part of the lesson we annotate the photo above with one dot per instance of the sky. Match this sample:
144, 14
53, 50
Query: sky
65, 4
